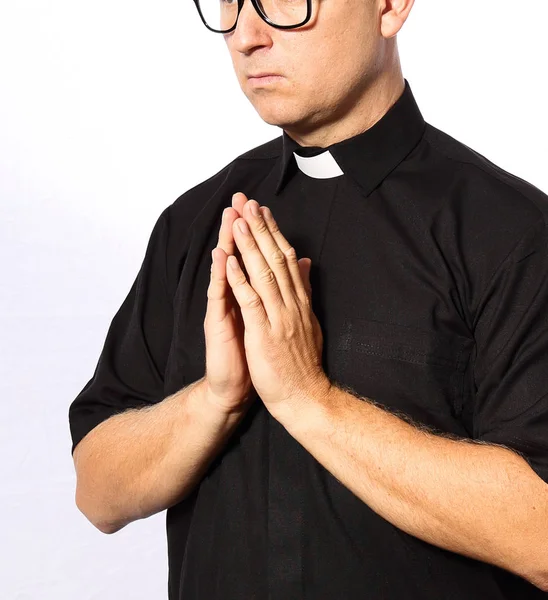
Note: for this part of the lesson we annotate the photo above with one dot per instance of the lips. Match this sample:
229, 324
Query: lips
264, 75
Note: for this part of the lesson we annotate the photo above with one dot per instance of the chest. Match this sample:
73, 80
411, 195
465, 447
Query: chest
385, 297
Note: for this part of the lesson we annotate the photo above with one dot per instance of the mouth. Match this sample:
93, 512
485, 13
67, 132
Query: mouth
265, 74
264, 78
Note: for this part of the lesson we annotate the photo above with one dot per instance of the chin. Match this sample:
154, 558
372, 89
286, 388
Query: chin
276, 111
276, 120
271, 119
267, 110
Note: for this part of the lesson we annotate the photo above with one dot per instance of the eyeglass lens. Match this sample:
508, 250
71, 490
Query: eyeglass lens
222, 14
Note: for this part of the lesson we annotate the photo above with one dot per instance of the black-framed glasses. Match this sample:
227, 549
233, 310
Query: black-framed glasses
221, 16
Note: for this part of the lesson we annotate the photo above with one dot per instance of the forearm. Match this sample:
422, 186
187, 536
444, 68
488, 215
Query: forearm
143, 461
478, 500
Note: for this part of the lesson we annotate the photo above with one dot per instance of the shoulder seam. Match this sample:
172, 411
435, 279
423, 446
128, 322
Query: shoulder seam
257, 157
272, 147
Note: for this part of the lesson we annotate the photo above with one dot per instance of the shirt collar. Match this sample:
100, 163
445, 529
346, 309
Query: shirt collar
367, 157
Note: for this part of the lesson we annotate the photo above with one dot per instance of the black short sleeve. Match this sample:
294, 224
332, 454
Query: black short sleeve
511, 364
131, 366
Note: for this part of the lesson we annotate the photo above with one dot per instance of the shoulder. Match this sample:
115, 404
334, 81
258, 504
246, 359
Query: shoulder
198, 207
479, 216
192, 202
481, 187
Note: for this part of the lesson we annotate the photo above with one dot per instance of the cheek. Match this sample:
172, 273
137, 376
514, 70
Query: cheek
333, 73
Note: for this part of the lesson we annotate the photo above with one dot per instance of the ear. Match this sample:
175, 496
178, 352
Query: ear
394, 15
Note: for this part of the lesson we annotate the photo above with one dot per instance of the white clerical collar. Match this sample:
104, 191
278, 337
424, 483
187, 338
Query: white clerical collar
320, 166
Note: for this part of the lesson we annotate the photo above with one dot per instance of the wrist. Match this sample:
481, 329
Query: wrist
220, 407
307, 408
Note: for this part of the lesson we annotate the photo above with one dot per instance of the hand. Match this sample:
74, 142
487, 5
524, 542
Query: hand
227, 376
282, 337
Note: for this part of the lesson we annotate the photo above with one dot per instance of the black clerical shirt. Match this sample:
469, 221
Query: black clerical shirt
430, 281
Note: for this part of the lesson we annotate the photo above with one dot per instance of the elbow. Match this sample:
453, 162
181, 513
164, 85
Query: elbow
103, 525
93, 506
108, 528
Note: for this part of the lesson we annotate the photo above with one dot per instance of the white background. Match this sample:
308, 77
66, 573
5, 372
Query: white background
109, 110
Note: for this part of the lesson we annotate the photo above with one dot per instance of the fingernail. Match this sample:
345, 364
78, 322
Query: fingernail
243, 227
233, 262
254, 209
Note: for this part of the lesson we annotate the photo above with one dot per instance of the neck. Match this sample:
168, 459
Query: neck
374, 101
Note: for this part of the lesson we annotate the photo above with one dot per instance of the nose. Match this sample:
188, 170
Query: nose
251, 30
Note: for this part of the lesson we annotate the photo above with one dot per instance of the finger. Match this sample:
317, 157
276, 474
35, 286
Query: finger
228, 235
238, 202
250, 302
220, 296
281, 261
226, 239
229, 215
261, 275
217, 300
298, 287
304, 268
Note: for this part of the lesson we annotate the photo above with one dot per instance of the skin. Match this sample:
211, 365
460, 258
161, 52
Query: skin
316, 104
476, 499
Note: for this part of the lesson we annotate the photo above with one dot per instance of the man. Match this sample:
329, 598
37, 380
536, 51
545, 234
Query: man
373, 420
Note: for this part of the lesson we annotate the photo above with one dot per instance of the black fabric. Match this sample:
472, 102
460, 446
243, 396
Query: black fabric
430, 281
309, 150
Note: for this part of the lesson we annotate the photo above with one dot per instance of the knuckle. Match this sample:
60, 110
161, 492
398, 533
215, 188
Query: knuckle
261, 226
305, 301
215, 287
277, 257
267, 276
240, 279
254, 302
291, 254
274, 229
